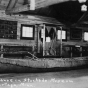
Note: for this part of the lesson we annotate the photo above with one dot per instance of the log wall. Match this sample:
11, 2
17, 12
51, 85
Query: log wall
70, 48
36, 43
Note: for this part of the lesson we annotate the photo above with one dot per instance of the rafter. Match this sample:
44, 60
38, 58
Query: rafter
27, 7
44, 3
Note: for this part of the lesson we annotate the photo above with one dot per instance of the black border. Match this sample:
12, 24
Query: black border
30, 38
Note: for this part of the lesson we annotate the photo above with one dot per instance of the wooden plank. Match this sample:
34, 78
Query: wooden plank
17, 42
45, 3
81, 51
39, 43
31, 19
10, 8
19, 52
73, 43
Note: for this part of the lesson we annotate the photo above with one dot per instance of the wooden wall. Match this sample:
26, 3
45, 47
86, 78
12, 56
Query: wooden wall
26, 20
70, 47
20, 42
36, 43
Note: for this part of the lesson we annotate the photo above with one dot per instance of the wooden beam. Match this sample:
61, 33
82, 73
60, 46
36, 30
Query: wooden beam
32, 5
19, 9
61, 42
45, 3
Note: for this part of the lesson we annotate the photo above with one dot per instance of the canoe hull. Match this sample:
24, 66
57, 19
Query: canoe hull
11, 68
8, 65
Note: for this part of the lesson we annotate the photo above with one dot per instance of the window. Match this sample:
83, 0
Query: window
63, 34
75, 34
8, 29
27, 32
85, 36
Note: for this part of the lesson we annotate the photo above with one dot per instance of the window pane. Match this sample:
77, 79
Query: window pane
30, 34
27, 32
86, 36
63, 34
59, 34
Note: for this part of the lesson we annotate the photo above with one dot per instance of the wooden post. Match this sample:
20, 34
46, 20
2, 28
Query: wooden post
33, 51
38, 30
1, 51
61, 43
81, 51
44, 40
71, 52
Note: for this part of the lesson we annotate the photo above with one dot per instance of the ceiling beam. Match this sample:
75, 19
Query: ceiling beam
83, 17
32, 4
45, 3
82, 20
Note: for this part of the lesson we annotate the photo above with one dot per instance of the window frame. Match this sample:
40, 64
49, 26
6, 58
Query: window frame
27, 38
65, 35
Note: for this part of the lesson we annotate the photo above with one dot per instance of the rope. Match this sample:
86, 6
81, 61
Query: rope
32, 55
29, 53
